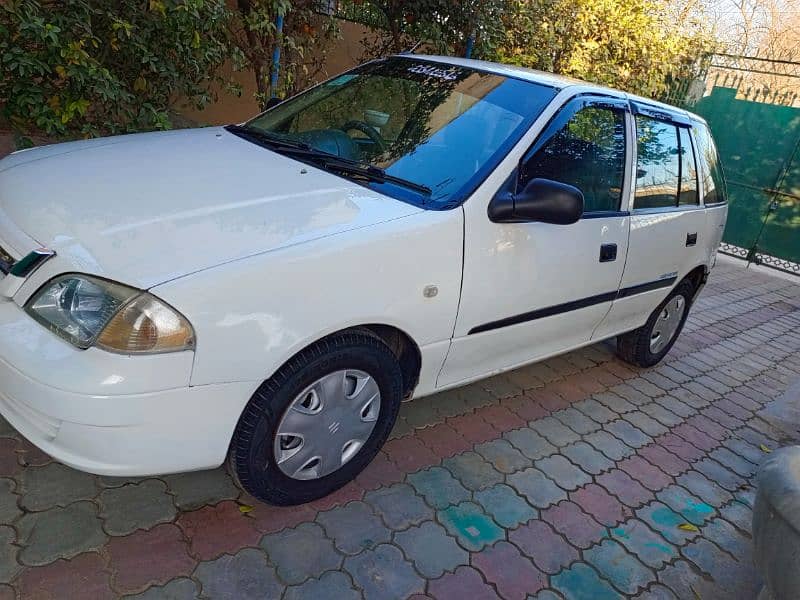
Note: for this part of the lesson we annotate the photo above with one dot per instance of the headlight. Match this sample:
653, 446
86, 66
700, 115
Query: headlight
87, 311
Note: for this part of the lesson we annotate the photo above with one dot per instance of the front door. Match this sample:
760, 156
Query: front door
531, 290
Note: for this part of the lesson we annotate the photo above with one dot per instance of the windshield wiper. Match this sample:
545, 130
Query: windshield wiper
326, 160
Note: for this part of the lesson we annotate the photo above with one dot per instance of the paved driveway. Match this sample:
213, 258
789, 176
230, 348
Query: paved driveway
578, 477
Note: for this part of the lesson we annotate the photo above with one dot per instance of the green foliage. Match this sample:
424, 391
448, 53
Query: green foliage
89, 67
305, 40
635, 45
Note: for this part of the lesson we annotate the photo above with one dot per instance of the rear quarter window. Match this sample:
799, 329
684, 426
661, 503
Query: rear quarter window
710, 167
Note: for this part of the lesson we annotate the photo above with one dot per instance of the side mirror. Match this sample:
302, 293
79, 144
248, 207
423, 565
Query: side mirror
274, 101
541, 200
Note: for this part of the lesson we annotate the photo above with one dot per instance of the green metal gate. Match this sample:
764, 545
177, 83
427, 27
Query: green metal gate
753, 109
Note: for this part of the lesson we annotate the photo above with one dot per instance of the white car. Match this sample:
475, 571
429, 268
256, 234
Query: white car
270, 292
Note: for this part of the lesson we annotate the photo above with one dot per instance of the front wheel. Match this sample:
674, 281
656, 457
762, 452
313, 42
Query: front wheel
646, 346
319, 421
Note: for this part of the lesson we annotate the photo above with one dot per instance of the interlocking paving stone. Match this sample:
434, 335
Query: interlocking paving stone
439, 487
587, 458
596, 411
720, 475
614, 402
199, 488
181, 588
597, 502
735, 463
581, 582
466, 582
632, 436
504, 506
473, 471
9, 510
214, 530
242, 576
354, 527
530, 443
546, 595
555, 431
629, 390
301, 552
549, 551
135, 506
645, 473
576, 421
745, 449
383, 573
399, 506
540, 491
725, 535
514, 575
563, 472
662, 415
693, 509
164, 557
576, 526
667, 522
645, 423
443, 440
685, 581
675, 406
625, 573
473, 528
714, 562
621, 485
657, 592
739, 514
652, 549
608, 445
662, 458
54, 485
9, 566
333, 584
703, 488
59, 533
503, 456
81, 577
431, 550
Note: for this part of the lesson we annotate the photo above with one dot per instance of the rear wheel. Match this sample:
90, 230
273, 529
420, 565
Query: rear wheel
319, 421
646, 346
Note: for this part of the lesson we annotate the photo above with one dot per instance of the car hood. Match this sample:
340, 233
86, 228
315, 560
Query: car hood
147, 208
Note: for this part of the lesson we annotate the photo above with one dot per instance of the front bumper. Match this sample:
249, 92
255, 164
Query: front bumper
109, 414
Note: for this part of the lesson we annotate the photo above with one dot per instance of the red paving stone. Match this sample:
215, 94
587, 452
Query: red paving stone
513, 575
409, 453
501, 418
216, 530
9, 465
269, 519
604, 507
443, 440
464, 583
348, 493
380, 472
549, 551
694, 436
473, 428
570, 521
526, 407
645, 473
678, 446
148, 558
659, 456
621, 485
85, 576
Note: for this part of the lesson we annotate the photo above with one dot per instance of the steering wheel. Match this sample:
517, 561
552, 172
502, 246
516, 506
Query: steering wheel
367, 130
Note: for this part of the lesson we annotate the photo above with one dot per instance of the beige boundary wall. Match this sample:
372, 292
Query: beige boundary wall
228, 108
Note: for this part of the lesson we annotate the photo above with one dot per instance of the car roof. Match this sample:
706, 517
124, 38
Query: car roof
551, 79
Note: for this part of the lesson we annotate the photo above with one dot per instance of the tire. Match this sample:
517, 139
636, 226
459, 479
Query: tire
635, 346
252, 458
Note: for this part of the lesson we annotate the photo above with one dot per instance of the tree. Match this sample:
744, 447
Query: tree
635, 45
90, 67
306, 37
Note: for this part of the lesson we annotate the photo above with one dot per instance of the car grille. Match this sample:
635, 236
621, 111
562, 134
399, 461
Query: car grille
6, 261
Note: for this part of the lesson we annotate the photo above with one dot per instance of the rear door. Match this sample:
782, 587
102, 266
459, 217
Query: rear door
668, 223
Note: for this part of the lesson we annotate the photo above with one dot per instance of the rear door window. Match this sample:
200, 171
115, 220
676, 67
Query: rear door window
657, 163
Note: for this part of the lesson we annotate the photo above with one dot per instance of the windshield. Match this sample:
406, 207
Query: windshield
437, 125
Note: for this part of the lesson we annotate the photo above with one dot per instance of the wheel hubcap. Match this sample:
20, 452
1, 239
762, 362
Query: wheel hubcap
667, 323
327, 424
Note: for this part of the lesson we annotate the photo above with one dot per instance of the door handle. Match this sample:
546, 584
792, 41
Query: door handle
608, 252
691, 239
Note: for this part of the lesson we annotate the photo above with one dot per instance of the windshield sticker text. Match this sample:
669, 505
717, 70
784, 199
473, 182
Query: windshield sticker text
433, 72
